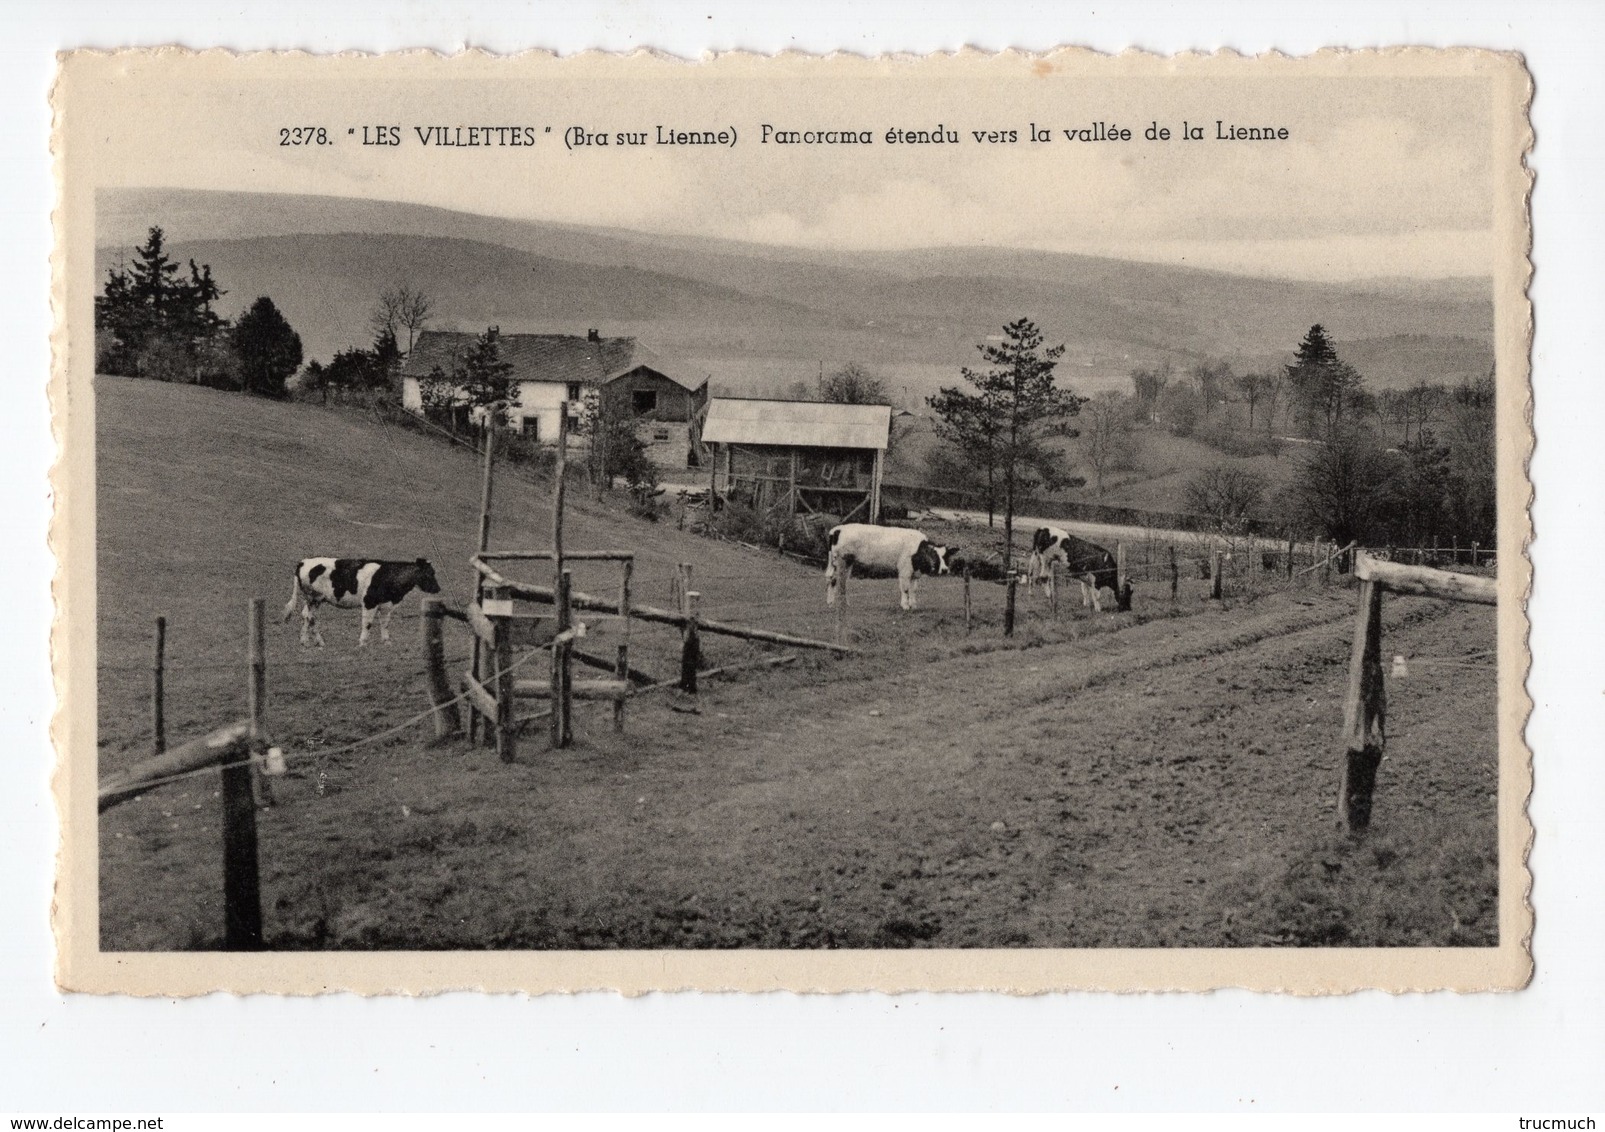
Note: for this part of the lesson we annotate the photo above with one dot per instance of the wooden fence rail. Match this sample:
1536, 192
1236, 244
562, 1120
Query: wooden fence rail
1364, 735
547, 595
236, 749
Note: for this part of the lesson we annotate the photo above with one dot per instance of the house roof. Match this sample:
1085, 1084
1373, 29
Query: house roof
558, 358
797, 424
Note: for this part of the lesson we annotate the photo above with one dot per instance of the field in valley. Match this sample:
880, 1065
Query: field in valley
1159, 778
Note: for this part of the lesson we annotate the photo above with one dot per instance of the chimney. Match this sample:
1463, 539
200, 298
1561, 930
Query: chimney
593, 335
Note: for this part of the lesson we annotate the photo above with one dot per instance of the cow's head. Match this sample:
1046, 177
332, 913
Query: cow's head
426, 577
1043, 539
934, 560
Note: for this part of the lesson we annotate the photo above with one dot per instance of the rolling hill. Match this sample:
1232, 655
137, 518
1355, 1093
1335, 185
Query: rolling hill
757, 317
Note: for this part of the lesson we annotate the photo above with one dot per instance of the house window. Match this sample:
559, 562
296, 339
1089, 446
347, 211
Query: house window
661, 434
531, 427
644, 401
573, 392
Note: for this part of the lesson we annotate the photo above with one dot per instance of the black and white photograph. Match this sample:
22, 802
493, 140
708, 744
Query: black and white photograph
983, 521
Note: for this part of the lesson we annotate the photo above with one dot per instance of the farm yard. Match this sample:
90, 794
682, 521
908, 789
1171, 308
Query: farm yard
1165, 777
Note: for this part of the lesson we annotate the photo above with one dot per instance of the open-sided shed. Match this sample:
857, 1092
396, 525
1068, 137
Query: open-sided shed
806, 457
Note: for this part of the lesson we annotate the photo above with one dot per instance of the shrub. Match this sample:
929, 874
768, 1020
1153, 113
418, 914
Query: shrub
1235, 442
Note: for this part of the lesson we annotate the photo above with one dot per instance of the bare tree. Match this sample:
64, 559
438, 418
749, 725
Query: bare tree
1253, 388
1148, 386
1228, 495
852, 384
1107, 432
402, 307
1275, 382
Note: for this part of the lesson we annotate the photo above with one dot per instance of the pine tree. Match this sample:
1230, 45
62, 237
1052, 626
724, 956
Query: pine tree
269, 350
1324, 386
486, 381
1002, 426
150, 321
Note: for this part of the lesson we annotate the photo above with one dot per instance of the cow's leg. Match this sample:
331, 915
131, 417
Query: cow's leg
367, 624
384, 626
309, 624
905, 584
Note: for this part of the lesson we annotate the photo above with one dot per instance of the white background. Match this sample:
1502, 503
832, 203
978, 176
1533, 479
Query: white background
1538, 1051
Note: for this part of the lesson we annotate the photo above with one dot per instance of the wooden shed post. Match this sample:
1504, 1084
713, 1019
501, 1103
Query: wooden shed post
1364, 713
875, 486
1214, 575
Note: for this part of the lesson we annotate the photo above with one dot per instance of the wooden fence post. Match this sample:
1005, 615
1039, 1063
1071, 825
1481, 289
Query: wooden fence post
623, 663
1120, 566
1055, 573
690, 645
1290, 545
1326, 564
1364, 713
242, 895
1008, 605
479, 579
1214, 575
158, 717
562, 666
967, 607
844, 571
560, 481
256, 703
448, 721
1175, 575
501, 661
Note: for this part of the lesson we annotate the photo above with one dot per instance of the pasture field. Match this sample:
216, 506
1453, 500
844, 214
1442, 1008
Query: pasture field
1160, 778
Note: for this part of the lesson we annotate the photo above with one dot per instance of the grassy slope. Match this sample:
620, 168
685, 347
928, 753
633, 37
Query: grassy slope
1149, 779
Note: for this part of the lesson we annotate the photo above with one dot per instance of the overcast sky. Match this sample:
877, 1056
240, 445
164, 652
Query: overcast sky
1380, 175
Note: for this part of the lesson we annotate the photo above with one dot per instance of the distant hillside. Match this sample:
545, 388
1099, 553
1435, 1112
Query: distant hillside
758, 317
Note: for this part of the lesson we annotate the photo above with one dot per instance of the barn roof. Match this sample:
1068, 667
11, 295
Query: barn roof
797, 424
559, 358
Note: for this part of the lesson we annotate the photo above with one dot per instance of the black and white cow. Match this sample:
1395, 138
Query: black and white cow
906, 551
1090, 564
368, 584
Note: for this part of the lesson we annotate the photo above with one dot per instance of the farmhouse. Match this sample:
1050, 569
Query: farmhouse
803, 457
549, 369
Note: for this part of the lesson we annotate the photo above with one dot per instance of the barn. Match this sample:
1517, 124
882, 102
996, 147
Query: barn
662, 398
803, 457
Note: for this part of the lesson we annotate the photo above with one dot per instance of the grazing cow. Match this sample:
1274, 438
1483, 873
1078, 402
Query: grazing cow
1090, 564
355, 583
908, 552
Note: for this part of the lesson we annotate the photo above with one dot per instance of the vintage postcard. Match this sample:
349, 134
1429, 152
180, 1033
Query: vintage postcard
983, 521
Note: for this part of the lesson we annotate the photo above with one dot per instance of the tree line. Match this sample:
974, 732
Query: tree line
154, 320
1007, 435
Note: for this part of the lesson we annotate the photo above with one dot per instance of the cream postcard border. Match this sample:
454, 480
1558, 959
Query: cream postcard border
82, 108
